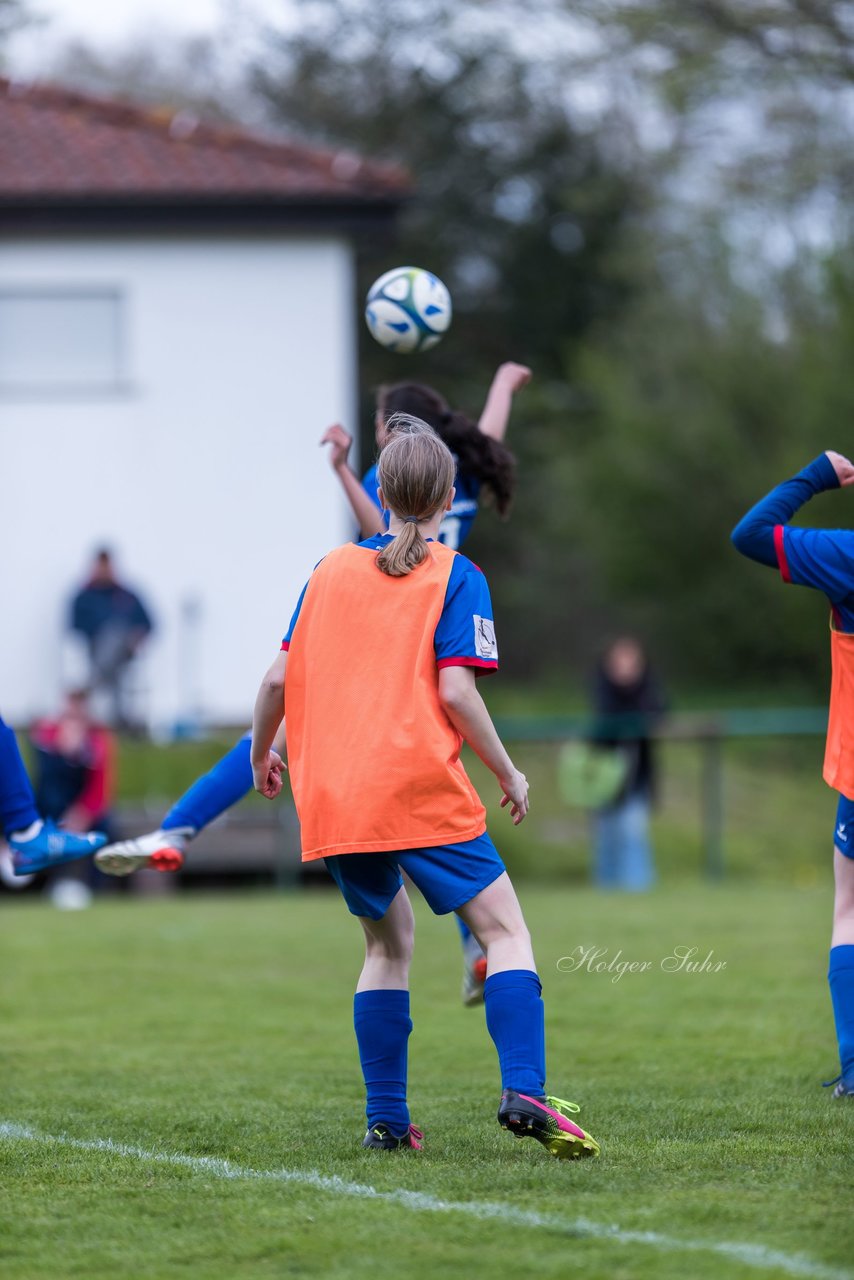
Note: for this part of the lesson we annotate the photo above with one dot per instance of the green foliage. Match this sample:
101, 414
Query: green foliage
518, 210
628, 196
692, 419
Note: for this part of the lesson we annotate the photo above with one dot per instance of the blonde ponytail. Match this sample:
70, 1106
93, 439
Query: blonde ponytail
416, 473
406, 550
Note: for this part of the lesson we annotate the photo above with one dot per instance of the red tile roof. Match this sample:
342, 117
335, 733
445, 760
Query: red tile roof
57, 144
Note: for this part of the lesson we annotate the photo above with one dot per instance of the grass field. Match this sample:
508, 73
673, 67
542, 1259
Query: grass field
147, 1041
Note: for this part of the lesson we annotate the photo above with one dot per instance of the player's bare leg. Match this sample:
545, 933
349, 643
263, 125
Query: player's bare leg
841, 975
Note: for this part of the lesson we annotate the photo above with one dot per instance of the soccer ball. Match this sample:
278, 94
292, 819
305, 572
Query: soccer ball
408, 309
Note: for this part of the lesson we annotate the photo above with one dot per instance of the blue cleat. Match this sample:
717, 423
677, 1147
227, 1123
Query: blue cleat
50, 847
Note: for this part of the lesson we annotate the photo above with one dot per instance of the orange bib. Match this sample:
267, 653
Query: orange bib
839, 752
374, 761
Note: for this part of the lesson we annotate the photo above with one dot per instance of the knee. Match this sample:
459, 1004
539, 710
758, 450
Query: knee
396, 946
844, 895
843, 907
510, 930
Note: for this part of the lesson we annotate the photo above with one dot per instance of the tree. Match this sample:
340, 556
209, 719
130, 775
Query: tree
518, 211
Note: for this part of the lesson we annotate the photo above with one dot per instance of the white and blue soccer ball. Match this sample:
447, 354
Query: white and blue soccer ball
408, 309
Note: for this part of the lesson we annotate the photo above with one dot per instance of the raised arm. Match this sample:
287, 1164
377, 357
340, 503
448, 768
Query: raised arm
754, 535
467, 712
509, 378
367, 513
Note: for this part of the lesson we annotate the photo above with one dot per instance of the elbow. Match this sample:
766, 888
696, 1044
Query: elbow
456, 701
741, 536
451, 702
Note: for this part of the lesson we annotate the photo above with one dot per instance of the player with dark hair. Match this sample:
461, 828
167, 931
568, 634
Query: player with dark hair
377, 681
823, 559
483, 461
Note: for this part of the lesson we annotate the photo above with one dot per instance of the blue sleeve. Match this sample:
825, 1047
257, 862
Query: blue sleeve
754, 536
465, 633
824, 559
286, 642
371, 485
371, 488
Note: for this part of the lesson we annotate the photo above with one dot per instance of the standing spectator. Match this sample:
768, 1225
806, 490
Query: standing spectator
628, 702
115, 623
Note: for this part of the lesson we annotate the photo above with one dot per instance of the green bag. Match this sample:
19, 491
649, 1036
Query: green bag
590, 777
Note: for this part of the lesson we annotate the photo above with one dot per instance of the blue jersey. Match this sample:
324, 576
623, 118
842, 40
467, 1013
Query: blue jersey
457, 523
465, 632
819, 558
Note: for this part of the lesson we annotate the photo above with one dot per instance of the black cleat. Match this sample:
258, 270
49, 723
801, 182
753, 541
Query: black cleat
381, 1138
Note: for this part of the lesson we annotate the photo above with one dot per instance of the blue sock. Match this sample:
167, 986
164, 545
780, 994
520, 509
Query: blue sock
17, 804
383, 1024
515, 1018
228, 781
465, 931
841, 979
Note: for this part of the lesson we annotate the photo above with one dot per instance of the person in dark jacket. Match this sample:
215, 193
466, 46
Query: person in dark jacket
115, 623
628, 702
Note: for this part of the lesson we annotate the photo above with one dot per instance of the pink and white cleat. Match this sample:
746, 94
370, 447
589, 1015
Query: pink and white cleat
160, 850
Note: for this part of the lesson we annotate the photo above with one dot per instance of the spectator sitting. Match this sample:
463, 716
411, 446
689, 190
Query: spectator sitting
74, 766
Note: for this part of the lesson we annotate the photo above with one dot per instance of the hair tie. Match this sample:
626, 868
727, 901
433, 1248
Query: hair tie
410, 519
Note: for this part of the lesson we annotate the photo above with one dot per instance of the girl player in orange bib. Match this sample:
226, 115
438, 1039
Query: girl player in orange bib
378, 674
823, 559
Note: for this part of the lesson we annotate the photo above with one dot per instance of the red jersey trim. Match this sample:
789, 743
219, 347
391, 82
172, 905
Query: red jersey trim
780, 550
484, 666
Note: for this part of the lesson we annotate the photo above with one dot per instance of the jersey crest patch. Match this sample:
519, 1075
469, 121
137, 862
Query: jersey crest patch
485, 644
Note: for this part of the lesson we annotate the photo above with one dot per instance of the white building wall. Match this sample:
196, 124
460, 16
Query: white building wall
202, 470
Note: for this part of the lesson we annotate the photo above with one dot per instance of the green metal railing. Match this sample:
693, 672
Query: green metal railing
710, 729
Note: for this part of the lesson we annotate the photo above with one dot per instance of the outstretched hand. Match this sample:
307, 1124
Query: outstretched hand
843, 468
341, 441
516, 376
267, 776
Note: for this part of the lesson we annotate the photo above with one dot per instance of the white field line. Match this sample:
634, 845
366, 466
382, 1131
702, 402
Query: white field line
753, 1255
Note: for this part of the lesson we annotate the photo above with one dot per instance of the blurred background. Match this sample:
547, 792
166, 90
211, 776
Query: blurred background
646, 201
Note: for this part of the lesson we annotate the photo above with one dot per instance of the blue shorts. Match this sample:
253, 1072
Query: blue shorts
449, 875
843, 836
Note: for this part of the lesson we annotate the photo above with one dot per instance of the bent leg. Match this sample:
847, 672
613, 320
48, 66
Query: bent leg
515, 1016
228, 781
495, 918
389, 943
